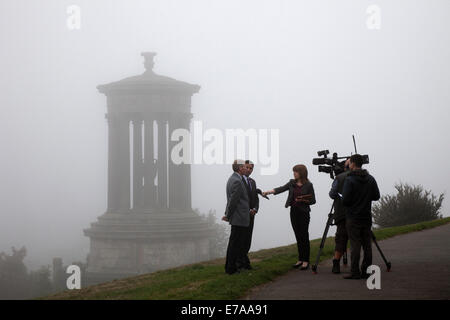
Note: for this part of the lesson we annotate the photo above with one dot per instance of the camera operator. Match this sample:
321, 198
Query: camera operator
360, 189
341, 237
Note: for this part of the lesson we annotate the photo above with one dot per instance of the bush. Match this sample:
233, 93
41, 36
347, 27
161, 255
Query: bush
411, 204
16, 282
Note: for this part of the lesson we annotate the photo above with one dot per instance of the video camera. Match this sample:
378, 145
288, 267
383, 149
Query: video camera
334, 165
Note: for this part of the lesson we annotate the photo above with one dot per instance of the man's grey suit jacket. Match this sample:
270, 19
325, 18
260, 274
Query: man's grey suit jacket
237, 210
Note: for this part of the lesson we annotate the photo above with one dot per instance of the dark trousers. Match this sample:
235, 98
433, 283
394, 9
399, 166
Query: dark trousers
248, 241
300, 224
236, 249
360, 235
341, 237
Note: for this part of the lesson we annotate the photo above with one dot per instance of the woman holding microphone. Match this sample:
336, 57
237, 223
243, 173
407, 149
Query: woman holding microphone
300, 197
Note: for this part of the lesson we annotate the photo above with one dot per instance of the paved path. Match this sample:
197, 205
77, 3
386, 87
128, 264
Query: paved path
420, 270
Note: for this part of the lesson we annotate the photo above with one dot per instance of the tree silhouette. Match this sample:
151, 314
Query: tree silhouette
16, 282
13, 274
411, 204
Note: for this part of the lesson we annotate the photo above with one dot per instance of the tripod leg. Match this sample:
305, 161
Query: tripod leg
388, 264
322, 242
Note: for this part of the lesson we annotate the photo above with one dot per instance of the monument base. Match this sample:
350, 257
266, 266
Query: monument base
129, 244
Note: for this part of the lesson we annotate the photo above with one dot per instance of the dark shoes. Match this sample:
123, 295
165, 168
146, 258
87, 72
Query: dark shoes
305, 268
300, 266
336, 266
352, 276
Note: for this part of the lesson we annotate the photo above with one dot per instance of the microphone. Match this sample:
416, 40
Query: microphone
260, 192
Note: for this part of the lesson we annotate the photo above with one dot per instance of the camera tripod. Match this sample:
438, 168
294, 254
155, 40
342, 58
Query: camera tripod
324, 237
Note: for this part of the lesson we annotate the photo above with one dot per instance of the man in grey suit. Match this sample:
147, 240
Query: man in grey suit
237, 213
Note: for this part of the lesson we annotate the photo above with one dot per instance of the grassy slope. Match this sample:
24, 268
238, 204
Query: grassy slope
207, 280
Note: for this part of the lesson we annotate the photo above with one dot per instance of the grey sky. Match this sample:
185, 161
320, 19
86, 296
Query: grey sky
310, 68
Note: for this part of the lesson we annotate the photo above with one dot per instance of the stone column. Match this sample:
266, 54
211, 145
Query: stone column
162, 163
149, 166
185, 170
137, 165
174, 172
179, 174
113, 162
124, 163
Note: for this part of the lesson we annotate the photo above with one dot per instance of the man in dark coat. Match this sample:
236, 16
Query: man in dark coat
360, 189
253, 205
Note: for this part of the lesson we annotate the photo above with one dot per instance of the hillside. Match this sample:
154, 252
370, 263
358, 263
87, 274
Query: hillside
207, 280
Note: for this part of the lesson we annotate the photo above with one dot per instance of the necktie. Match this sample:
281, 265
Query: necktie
248, 183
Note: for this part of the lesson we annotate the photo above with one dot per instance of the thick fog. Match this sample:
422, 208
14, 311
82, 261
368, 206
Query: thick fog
315, 70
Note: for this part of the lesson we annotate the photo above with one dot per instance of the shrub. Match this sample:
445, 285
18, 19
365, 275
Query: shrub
411, 204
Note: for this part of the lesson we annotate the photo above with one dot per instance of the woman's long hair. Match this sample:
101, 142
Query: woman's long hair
302, 172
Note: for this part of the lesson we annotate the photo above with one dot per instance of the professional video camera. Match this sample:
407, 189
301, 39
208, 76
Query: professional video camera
335, 165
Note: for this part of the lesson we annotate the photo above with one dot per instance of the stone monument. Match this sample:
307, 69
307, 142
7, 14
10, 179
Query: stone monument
149, 223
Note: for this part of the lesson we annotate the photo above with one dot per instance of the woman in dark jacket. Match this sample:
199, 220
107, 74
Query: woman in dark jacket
301, 196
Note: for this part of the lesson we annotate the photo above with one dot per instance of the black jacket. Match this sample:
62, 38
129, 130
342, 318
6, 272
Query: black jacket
336, 188
252, 194
360, 189
306, 189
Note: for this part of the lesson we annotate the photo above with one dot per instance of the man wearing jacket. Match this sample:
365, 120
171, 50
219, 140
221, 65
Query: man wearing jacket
254, 206
341, 237
237, 213
360, 189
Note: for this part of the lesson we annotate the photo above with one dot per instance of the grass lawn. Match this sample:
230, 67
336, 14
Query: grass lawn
207, 280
